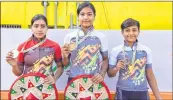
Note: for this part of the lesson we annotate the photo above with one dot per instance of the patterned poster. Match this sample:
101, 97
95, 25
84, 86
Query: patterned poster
82, 88
31, 87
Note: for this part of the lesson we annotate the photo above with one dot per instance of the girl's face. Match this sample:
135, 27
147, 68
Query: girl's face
86, 17
39, 28
130, 33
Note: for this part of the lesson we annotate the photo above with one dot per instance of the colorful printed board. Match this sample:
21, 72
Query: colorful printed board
82, 88
31, 87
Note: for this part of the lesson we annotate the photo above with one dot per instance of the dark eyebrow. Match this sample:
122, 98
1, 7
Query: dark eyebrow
39, 24
87, 12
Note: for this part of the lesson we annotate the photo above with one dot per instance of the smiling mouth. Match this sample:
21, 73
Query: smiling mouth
131, 36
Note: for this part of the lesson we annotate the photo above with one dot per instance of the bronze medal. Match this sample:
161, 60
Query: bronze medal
127, 61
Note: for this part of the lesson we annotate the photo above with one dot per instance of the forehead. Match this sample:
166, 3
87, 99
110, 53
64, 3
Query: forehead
86, 10
39, 21
132, 27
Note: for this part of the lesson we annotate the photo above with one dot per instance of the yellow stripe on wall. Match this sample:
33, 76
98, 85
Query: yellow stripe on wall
109, 15
152, 15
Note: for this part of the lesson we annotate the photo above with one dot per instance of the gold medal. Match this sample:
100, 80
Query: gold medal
72, 46
15, 53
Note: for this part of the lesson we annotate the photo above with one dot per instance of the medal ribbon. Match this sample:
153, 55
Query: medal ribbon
134, 54
80, 41
33, 47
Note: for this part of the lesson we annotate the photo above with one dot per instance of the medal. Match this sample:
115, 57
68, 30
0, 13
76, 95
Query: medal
72, 46
15, 53
127, 61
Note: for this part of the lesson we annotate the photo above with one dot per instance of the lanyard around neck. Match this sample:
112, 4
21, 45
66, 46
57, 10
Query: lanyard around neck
33, 47
134, 54
81, 40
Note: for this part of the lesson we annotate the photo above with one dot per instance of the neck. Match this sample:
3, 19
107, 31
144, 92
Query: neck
130, 43
85, 30
38, 39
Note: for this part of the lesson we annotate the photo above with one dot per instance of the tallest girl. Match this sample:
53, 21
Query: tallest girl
86, 50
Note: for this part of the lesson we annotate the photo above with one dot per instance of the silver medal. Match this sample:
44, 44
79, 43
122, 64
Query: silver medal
15, 53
